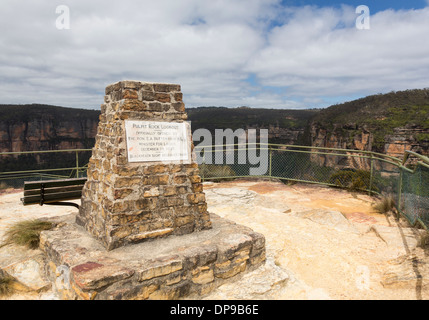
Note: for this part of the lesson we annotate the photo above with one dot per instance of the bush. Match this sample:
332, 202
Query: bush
209, 171
385, 205
351, 179
6, 284
27, 233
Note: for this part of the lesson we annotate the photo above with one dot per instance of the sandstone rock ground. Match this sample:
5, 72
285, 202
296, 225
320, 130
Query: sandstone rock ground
322, 243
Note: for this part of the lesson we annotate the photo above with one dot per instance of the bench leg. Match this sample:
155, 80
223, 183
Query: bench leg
72, 204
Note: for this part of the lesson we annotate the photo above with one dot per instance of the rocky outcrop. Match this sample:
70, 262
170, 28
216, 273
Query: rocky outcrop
48, 131
385, 123
406, 139
363, 138
281, 135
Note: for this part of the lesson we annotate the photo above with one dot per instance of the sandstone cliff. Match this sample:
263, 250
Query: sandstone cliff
40, 127
284, 126
385, 123
388, 124
362, 138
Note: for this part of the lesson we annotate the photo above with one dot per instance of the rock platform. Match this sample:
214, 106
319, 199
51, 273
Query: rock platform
175, 267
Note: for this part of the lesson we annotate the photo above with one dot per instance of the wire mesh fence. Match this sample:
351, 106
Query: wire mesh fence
414, 192
404, 180
18, 167
351, 169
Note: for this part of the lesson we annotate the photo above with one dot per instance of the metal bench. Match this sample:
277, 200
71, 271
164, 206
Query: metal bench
53, 192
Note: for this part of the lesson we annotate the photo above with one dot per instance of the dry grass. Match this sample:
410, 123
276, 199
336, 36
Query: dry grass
6, 285
26, 233
385, 205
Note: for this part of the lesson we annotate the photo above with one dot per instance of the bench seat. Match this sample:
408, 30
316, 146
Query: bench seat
53, 192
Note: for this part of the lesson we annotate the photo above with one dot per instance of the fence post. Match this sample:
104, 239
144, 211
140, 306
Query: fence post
398, 206
270, 161
371, 175
204, 161
77, 165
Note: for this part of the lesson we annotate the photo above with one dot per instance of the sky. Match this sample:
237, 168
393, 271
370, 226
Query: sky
285, 54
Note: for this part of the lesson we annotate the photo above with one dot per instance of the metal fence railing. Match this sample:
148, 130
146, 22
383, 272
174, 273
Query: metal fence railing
413, 189
17, 167
405, 180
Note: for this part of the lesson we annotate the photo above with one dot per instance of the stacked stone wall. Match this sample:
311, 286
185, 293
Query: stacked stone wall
125, 202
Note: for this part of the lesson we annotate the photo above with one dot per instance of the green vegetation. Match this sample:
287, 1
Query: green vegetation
221, 118
37, 112
292, 165
379, 114
397, 117
351, 179
360, 111
26, 233
422, 137
212, 118
210, 171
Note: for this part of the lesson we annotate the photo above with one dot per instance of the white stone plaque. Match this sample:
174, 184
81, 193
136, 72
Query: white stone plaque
157, 141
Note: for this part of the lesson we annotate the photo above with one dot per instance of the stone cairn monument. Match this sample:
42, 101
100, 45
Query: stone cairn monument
142, 180
143, 230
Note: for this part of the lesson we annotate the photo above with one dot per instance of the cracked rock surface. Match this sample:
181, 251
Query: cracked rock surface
321, 243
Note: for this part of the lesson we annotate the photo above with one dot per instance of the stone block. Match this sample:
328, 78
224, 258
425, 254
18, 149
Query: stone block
147, 203
202, 275
230, 271
150, 235
171, 292
178, 96
162, 97
151, 191
169, 191
147, 96
194, 198
156, 180
155, 169
180, 179
164, 87
93, 276
159, 267
173, 267
131, 105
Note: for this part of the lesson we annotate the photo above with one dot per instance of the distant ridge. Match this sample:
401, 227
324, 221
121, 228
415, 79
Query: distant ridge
27, 112
388, 123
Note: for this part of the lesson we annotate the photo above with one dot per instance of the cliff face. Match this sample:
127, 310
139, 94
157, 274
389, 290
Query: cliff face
280, 135
46, 128
389, 124
284, 126
407, 139
47, 135
402, 138
396, 143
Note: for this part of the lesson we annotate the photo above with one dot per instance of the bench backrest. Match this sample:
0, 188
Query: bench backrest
49, 191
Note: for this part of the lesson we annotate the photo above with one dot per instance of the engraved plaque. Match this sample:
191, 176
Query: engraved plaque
157, 141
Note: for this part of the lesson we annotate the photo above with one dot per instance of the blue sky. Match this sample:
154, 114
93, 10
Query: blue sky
258, 53
374, 5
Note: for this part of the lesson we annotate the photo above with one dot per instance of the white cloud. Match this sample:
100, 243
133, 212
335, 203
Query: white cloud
314, 58
210, 48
